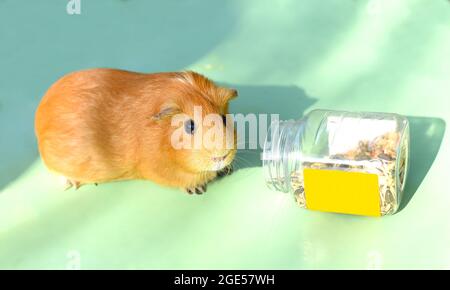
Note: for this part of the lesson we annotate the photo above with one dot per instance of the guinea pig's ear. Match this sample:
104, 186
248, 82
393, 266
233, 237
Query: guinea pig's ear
227, 95
232, 94
167, 110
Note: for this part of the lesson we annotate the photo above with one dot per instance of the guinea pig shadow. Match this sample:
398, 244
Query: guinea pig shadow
288, 102
426, 139
19, 150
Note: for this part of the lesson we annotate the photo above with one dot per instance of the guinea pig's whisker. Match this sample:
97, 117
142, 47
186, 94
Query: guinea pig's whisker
243, 164
242, 161
252, 151
244, 143
239, 145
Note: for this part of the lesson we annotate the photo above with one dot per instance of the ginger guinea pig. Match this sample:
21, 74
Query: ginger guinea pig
102, 125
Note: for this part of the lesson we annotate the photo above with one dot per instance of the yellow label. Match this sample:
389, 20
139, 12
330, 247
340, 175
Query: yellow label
342, 192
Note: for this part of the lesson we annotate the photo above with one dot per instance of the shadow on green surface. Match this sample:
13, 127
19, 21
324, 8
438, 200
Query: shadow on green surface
426, 140
289, 102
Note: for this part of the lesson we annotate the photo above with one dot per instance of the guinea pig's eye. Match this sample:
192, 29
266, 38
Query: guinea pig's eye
224, 120
189, 126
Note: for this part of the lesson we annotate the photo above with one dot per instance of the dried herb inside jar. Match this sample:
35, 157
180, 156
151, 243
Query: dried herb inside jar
376, 156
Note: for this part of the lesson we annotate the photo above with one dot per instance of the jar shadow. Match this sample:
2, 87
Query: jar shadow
288, 102
426, 139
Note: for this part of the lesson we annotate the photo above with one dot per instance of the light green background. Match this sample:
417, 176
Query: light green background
285, 57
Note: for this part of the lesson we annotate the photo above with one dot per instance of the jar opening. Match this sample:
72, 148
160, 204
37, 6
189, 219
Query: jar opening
277, 151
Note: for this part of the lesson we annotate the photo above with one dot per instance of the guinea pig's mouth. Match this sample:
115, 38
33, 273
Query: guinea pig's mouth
220, 162
221, 158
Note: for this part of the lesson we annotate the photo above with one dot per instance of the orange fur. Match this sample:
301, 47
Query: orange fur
99, 125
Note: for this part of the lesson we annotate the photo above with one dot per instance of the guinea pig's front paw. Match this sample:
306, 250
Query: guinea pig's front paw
72, 183
225, 171
198, 190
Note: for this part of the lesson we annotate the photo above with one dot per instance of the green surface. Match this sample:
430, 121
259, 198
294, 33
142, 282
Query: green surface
285, 57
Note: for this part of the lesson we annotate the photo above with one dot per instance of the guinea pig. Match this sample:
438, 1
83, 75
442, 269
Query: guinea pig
101, 125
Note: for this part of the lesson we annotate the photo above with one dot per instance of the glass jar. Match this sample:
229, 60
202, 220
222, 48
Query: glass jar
344, 162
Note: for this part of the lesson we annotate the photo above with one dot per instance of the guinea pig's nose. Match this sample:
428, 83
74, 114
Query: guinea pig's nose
221, 158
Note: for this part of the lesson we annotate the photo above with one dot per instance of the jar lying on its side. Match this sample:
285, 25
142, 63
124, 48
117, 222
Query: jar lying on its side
353, 163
